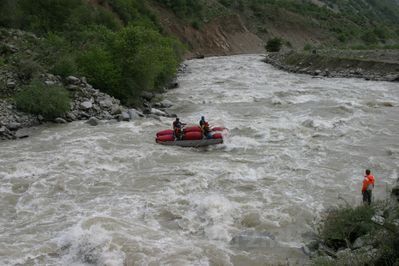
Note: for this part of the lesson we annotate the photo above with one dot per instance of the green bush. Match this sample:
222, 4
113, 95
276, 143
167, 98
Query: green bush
274, 45
65, 67
27, 69
48, 101
344, 225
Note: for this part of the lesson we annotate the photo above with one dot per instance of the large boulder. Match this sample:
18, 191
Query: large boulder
92, 121
86, 105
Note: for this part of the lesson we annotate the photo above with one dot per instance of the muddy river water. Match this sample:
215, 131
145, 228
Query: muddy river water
109, 195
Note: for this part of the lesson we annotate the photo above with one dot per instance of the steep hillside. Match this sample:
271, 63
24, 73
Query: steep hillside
340, 23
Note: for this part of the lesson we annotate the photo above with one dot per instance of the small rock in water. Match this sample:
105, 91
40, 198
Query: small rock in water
134, 114
158, 112
92, 121
60, 120
124, 116
22, 133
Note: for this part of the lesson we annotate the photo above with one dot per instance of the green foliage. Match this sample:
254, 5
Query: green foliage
347, 224
48, 101
307, 47
66, 66
115, 43
274, 45
185, 8
133, 60
99, 67
27, 69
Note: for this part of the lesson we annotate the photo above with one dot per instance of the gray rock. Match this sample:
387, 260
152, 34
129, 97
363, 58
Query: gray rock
146, 95
107, 103
60, 120
11, 84
22, 133
115, 109
166, 104
317, 72
13, 126
124, 116
73, 80
40, 117
86, 105
359, 242
49, 82
71, 116
158, 112
83, 115
378, 219
72, 87
92, 121
134, 114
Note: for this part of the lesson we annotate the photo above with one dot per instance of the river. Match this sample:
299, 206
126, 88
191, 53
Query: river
109, 195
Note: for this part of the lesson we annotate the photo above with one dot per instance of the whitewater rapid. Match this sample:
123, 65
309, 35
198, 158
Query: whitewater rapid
109, 195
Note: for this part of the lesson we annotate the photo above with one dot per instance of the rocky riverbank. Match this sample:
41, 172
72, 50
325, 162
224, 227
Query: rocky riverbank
87, 103
336, 65
363, 235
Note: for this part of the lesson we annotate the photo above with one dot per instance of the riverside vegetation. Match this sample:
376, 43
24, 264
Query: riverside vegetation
117, 45
362, 235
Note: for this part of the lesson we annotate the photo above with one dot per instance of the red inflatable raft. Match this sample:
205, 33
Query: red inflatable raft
192, 137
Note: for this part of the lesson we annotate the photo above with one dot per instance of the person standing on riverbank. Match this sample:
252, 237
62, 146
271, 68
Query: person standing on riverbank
368, 186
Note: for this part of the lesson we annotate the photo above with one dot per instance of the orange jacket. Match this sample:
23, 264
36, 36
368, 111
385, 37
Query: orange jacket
368, 181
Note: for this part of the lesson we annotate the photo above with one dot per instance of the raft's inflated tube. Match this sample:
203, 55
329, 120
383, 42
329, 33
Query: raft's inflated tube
219, 128
217, 136
192, 129
165, 138
193, 136
165, 132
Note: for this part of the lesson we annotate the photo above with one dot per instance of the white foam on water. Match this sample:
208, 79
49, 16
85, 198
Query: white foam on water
109, 195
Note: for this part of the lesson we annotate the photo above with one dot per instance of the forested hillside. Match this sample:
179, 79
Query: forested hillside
116, 44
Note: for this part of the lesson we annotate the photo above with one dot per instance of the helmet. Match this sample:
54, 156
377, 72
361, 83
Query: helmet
202, 117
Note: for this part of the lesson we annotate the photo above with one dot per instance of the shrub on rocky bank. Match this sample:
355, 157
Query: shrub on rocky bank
48, 101
362, 235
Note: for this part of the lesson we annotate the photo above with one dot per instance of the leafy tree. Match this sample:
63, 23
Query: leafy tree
274, 45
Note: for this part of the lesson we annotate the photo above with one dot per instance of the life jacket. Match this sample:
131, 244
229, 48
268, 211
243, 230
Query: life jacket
368, 183
205, 127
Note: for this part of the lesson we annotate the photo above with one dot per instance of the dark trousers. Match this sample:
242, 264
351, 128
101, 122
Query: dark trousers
367, 196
